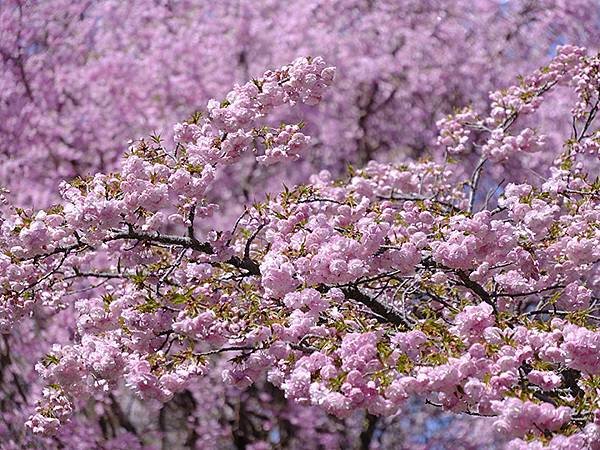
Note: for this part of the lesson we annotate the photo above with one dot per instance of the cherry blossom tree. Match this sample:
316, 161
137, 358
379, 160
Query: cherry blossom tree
81, 78
399, 281
170, 303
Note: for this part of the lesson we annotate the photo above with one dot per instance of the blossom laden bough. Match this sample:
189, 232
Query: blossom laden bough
356, 294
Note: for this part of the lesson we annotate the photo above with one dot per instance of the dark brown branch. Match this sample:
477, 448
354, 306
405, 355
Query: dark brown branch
368, 432
182, 241
476, 288
384, 312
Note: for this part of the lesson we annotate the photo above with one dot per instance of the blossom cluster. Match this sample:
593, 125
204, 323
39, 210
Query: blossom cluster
400, 281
